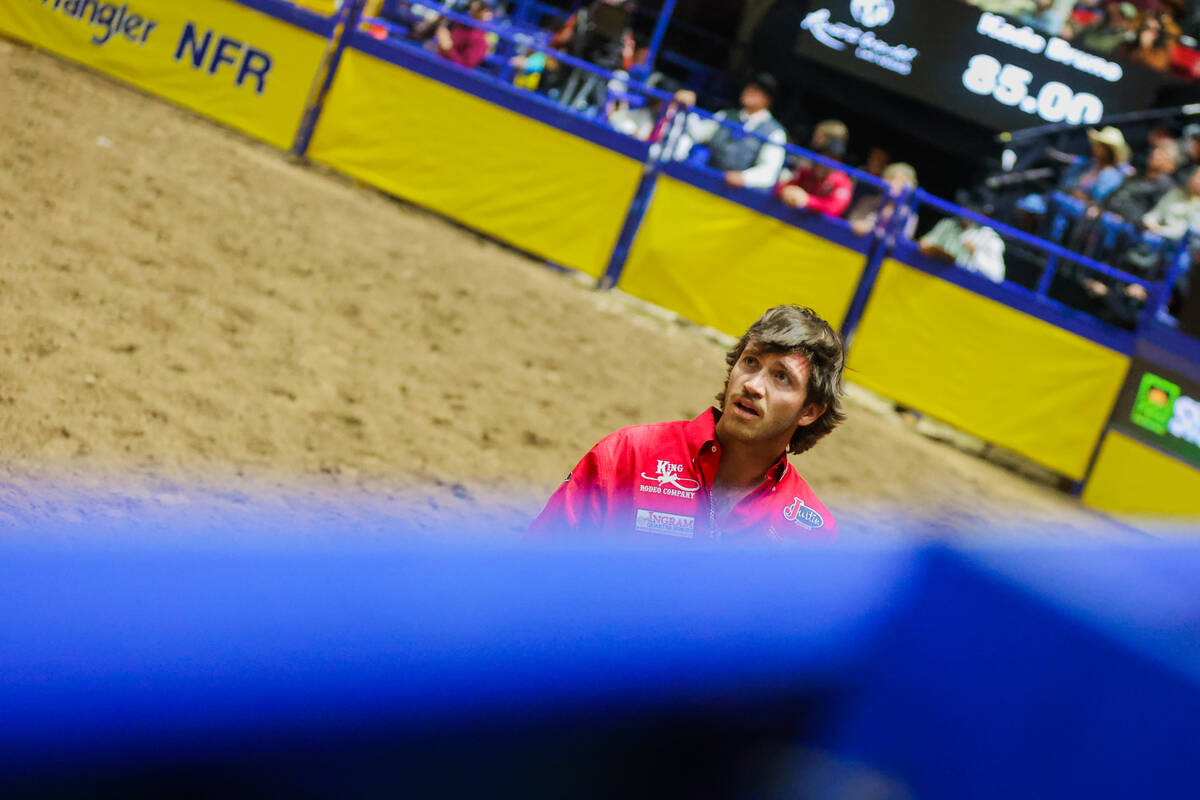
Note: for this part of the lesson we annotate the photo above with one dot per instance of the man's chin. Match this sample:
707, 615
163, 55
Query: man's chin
739, 427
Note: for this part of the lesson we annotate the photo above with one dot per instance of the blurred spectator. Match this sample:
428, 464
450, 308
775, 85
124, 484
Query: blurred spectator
829, 136
1108, 299
1156, 135
1177, 211
875, 209
1116, 26
877, 160
1190, 142
1094, 179
600, 33
529, 68
597, 32
1047, 16
1132, 199
1138, 194
1152, 43
1090, 180
968, 244
669, 139
815, 186
465, 44
638, 122
745, 160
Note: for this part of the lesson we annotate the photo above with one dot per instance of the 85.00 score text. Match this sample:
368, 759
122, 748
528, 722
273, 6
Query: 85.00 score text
1009, 84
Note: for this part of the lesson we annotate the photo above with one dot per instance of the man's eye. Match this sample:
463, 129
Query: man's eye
750, 361
783, 377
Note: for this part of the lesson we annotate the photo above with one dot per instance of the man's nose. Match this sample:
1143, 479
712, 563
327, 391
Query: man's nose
753, 385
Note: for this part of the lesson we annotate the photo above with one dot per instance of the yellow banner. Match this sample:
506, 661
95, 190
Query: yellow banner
241, 67
720, 264
1135, 481
544, 190
985, 368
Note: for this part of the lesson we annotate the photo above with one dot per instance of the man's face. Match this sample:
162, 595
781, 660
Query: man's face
1162, 159
1194, 182
897, 183
754, 99
766, 399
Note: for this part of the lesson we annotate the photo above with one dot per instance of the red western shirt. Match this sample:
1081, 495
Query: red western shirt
657, 480
829, 195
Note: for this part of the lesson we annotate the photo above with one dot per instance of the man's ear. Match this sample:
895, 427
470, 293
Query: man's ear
811, 413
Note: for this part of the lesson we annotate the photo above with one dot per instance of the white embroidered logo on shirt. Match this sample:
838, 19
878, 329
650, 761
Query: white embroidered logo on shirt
668, 475
803, 515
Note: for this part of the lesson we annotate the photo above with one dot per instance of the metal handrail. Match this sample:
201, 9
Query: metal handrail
1036, 241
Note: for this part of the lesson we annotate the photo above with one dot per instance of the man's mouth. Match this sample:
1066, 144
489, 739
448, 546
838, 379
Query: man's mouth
747, 408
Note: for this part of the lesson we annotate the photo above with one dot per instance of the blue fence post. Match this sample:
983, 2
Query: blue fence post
1156, 303
633, 221
884, 239
1057, 231
641, 199
348, 19
660, 31
1047, 277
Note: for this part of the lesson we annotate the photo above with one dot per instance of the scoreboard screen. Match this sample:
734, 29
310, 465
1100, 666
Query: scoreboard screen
972, 63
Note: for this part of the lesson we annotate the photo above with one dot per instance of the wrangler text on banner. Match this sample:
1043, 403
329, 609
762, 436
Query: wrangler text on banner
238, 65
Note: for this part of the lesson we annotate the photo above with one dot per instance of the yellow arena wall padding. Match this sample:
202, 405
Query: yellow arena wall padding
237, 65
541, 189
1135, 481
985, 368
720, 264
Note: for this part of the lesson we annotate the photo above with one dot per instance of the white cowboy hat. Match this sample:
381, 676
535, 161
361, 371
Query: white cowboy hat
1113, 138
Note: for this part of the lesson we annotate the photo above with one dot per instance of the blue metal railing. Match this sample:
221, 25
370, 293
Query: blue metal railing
1055, 250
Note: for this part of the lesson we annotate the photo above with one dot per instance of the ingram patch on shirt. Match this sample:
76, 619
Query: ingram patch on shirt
668, 524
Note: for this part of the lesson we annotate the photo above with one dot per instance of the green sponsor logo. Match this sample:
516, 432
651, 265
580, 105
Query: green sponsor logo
1155, 403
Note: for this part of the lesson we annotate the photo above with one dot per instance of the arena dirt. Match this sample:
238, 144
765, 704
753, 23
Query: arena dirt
191, 318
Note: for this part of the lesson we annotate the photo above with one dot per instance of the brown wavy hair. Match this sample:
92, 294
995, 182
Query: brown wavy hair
796, 329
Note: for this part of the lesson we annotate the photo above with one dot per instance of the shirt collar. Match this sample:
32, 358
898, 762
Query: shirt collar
701, 436
758, 116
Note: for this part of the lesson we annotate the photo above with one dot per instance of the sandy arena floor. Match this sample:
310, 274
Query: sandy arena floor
190, 319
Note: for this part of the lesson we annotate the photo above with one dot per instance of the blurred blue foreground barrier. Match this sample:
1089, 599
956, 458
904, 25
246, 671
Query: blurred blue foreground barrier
926, 672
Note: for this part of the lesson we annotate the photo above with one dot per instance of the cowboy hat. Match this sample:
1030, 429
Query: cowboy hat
1114, 139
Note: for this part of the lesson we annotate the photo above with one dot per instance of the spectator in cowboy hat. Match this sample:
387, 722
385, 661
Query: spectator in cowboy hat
1090, 180
745, 160
1095, 178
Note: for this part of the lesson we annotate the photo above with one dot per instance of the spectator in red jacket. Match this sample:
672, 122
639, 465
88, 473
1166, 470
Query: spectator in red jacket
465, 44
816, 187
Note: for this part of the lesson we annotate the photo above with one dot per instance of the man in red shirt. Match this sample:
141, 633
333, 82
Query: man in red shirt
724, 474
465, 44
816, 187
